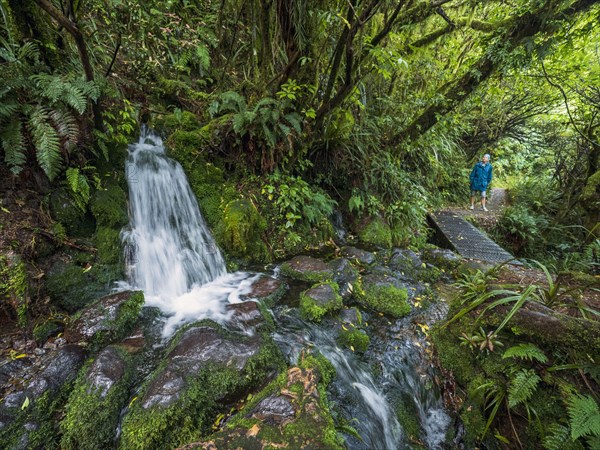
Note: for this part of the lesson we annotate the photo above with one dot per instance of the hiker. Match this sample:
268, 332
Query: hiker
481, 177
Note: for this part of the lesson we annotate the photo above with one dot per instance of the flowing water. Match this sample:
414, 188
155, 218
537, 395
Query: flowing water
172, 256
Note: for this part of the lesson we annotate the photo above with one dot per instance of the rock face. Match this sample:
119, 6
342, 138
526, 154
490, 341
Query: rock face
107, 319
442, 258
345, 275
320, 300
107, 369
246, 317
356, 254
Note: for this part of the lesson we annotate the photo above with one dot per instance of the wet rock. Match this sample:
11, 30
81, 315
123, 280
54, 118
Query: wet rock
356, 254
267, 289
306, 268
196, 348
350, 316
274, 410
107, 319
345, 275
62, 367
406, 261
107, 369
319, 301
442, 258
246, 317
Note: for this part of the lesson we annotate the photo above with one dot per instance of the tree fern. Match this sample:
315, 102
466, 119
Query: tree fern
584, 416
526, 351
46, 142
558, 438
522, 386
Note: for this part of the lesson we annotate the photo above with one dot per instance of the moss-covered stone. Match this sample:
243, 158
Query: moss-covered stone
109, 206
14, 286
320, 300
375, 231
200, 387
306, 268
94, 405
77, 222
386, 298
241, 230
355, 339
108, 244
184, 120
71, 287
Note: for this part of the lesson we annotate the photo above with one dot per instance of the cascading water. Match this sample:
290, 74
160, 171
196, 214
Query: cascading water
171, 254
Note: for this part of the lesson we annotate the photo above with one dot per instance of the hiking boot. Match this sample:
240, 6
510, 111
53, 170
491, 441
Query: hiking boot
471, 207
483, 208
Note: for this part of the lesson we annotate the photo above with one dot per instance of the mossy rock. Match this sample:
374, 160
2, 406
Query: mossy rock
375, 231
267, 290
72, 287
320, 300
94, 405
108, 244
386, 298
241, 229
184, 120
63, 209
355, 339
109, 206
205, 372
106, 320
291, 412
307, 268
442, 258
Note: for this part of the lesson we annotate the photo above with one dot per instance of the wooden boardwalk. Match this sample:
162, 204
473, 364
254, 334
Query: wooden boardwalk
464, 238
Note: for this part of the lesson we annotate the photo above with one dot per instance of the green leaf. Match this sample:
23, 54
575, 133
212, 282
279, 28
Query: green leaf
522, 387
526, 351
584, 416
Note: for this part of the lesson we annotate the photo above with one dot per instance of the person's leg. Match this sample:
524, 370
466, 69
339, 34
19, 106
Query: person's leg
472, 199
483, 195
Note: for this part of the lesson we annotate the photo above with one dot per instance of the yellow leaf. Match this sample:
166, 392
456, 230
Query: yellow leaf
352, 347
344, 328
25, 403
132, 400
253, 431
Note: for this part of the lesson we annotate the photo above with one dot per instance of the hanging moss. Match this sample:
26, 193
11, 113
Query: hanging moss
241, 231
108, 244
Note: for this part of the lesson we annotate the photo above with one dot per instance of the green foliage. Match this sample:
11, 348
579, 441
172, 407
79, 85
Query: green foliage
584, 416
109, 206
387, 299
522, 387
526, 351
558, 438
376, 232
41, 108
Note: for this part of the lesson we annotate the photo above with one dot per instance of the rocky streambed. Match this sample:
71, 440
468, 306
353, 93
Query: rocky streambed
321, 353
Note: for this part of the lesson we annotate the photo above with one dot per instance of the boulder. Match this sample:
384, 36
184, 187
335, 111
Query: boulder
320, 300
345, 275
356, 254
307, 268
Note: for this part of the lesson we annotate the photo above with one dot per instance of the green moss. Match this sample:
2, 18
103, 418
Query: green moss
453, 356
109, 206
320, 300
72, 287
355, 339
184, 120
323, 366
376, 232
14, 286
193, 414
408, 419
387, 299
108, 244
314, 275
241, 231
63, 208
589, 196
474, 421
92, 417
42, 331
126, 317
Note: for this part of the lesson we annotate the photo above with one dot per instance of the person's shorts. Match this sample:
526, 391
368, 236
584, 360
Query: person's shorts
474, 193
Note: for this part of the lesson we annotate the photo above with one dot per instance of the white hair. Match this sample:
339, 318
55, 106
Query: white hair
487, 155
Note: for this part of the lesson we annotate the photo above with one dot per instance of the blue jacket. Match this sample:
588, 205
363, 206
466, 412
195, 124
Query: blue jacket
481, 176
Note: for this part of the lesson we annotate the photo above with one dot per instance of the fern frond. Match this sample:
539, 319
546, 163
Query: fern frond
526, 351
13, 145
295, 121
67, 127
29, 50
584, 416
231, 101
267, 101
90, 89
8, 108
74, 97
46, 142
558, 438
80, 188
522, 387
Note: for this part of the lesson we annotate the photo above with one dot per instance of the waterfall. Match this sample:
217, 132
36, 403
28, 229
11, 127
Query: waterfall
170, 252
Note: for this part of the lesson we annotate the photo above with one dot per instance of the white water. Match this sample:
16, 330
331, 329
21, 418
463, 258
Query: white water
171, 254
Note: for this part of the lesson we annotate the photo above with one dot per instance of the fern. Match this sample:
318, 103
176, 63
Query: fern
14, 148
526, 351
522, 387
558, 438
584, 416
46, 142
80, 188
